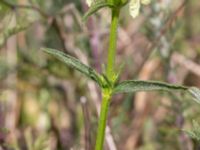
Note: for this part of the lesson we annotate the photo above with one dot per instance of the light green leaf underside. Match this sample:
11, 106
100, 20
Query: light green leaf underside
137, 85
75, 63
95, 7
195, 92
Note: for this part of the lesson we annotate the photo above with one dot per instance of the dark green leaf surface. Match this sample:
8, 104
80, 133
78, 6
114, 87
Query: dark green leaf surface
95, 7
137, 85
75, 63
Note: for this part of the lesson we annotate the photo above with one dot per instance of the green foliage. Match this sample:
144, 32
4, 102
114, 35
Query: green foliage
97, 5
195, 132
9, 31
3, 10
136, 85
40, 143
76, 64
43, 76
111, 76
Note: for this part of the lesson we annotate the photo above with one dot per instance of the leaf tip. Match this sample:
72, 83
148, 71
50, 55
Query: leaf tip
43, 49
46, 50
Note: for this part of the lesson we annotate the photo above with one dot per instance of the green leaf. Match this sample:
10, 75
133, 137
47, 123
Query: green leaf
195, 92
76, 64
194, 133
95, 7
137, 85
8, 32
3, 10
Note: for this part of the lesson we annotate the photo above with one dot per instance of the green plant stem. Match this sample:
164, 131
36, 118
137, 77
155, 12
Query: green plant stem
107, 93
112, 44
102, 121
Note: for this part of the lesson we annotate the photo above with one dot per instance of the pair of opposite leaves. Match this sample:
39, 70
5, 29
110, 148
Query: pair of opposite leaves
124, 86
134, 6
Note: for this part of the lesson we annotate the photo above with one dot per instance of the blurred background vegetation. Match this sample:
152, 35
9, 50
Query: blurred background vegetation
45, 105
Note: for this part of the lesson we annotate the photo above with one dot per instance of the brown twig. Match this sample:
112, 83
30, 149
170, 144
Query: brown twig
186, 63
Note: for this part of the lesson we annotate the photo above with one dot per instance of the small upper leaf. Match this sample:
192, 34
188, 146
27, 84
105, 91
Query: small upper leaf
76, 64
137, 85
95, 6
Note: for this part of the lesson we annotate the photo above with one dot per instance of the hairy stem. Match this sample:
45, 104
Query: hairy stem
107, 93
112, 44
102, 121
